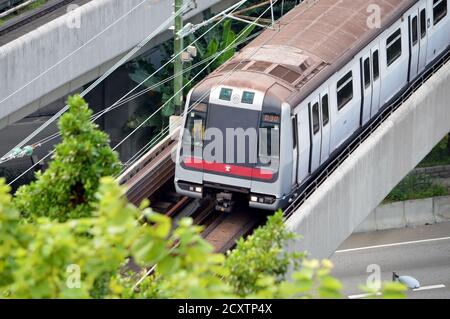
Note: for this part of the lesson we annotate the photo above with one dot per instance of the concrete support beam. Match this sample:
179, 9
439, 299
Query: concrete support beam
359, 185
24, 59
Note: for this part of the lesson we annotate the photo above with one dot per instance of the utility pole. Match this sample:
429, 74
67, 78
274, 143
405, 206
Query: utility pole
178, 63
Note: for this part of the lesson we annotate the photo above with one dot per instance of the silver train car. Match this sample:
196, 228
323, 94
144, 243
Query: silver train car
297, 94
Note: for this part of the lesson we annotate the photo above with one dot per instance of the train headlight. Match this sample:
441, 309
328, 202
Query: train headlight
262, 199
198, 189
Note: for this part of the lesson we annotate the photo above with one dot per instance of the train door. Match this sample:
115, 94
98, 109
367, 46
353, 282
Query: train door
295, 153
376, 79
366, 82
371, 83
316, 135
423, 41
326, 125
414, 44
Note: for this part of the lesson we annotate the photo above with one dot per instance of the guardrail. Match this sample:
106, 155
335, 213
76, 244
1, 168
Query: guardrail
32, 15
14, 9
151, 171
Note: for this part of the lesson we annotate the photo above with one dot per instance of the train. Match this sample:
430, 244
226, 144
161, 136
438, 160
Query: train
8, 4
260, 126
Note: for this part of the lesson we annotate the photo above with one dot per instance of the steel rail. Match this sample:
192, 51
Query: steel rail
32, 15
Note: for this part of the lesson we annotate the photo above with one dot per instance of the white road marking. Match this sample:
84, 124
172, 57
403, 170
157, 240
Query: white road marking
393, 245
362, 296
429, 287
379, 294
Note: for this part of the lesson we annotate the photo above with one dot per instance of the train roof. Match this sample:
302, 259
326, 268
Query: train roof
307, 45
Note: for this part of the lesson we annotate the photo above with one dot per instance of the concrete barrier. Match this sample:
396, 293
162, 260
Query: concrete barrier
362, 181
441, 171
441, 209
407, 214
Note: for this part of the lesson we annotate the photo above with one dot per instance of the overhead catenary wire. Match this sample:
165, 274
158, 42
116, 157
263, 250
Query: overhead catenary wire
74, 51
129, 55
148, 89
123, 60
185, 85
167, 128
50, 153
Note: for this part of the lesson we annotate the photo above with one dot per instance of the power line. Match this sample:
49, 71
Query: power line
75, 51
148, 89
204, 95
55, 135
130, 54
17, 149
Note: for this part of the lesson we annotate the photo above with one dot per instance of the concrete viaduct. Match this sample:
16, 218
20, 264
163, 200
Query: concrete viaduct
366, 177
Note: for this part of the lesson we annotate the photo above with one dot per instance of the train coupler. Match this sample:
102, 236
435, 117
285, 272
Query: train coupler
224, 202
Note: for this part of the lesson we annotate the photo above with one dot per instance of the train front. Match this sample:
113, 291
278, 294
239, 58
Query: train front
230, 147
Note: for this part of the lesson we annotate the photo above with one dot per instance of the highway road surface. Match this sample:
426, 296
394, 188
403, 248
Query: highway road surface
421, 252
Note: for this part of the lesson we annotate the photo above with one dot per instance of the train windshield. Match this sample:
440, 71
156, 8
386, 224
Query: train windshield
232, 135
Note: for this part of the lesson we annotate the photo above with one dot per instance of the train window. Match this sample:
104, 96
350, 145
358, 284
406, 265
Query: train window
439, 10
345, 90
225, 94
325, 111
367, 72
423, 23
415, 33
248, 97
394, 47
315, 115
195, 126
269, 138
375, 65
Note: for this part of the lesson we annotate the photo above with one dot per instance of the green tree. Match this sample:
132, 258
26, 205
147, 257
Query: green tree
67, 188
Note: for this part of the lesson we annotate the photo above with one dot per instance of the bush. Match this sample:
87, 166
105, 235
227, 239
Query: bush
416, 187
67, 188
440, 155
261, 254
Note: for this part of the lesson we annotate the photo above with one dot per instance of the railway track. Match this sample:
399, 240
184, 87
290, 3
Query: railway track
28, 17
152, 178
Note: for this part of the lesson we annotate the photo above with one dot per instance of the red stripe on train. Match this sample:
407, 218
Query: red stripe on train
229, 169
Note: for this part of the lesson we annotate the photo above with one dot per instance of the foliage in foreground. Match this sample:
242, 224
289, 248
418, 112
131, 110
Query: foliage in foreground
89, 257
92, 248
67, 188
